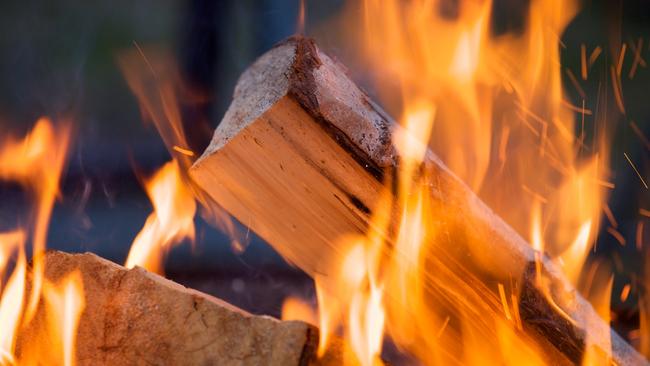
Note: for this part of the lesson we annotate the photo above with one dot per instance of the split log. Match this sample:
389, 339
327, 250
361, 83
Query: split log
300, 157
134, 317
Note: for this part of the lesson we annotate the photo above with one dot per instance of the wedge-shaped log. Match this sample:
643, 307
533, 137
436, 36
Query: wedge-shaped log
134, 317
300, 157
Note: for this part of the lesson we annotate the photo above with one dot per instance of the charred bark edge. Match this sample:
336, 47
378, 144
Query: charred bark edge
302, 89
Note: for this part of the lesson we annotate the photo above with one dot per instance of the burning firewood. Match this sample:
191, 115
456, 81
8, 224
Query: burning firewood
137, 317
301, 157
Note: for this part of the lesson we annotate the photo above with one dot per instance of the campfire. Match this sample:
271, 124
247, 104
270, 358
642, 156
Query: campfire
446, 219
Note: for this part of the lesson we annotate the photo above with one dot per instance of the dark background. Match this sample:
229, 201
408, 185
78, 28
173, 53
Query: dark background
59, 59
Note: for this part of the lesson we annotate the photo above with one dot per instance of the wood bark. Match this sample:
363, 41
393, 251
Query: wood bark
301, 157
134, 317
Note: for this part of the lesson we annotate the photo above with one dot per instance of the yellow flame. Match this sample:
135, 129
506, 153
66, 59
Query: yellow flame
366, 325
356, 305
328, 308
574, 257
11, 307
37, 162
536, 238
171, 222
156, 82
65, 303
295, 308
474, 98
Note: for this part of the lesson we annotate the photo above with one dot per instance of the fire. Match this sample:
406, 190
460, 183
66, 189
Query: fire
171, 222
13, 295
156, 82
36, 162
66, 299
294, 308
475, 98
361, 298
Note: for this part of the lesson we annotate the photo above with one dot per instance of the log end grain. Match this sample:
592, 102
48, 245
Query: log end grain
296, 68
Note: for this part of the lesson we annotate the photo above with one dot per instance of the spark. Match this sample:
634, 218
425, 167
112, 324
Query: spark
618, 93
583, 61
625, 292
575, 83
644, 212
515, 310
506, 308
443, 327
594, 55
617, 235
638, 60
542, 143
146, 60
503, 144
639, 235
636, 170
610, 216
605, 184
183, 151
536, 195
564, 132
583, 110
532, 114
527, 124
582, 125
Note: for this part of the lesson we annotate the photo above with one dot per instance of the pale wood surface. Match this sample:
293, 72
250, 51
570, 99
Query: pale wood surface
134, 317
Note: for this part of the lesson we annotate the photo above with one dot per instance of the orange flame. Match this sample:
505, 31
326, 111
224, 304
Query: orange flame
170, 223
474, 98
156, 82
67, 301
37, 162
13, 296
294, 308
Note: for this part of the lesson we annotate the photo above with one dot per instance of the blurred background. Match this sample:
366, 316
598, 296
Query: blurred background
60, 59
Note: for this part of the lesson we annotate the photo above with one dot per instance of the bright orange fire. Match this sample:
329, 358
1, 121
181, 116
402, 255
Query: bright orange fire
13, 295
36, 162
493, 108
295, 308
170, 223
155, 81
67, 300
